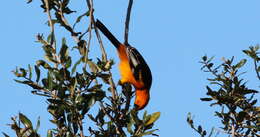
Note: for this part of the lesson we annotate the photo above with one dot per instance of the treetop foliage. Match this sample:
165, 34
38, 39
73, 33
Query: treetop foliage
73, 87
239, 113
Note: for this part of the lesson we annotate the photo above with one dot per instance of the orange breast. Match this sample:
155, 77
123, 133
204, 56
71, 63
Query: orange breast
142, 98
142, 94
125, 69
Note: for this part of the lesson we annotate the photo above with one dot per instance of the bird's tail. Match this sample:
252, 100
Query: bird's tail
142, 98
107, 33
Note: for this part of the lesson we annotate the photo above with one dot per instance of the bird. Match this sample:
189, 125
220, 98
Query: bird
133, 68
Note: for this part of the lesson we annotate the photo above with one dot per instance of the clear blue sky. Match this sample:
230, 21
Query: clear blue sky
171, 34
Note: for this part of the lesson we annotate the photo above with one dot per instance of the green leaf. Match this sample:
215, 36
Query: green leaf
153, 118
64, 51
82, 48
109, 64
145, 114
205, 99
253, 102
38, 73
210, 65
199, 129
95, 88
49, 133
91, 102
129, 126
258, 69
52, 110
94, 68
68, 62
5, 134
20, 73
27, 123
240, 64
30, 71
75, 67
91, 117
67, 10
22, 82
257, 109
48, 49
48, 23
247, 52
249, 91
80, 17
204, 58
189, 120
55, 101
74, 83
29, 1
204, 133
29, 83
50, 80
23, 71
51, 38
241, 116
50, 58
100, 118
43, 64
38, 124
79, 99
148, 132
104, 77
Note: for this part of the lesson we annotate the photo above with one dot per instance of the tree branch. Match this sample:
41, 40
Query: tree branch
104, 55
257, 73
81, 128
118, 126
69, 28
53, 44
127, 20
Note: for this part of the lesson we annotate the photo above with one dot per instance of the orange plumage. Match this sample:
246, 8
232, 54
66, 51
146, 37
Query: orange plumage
133, 68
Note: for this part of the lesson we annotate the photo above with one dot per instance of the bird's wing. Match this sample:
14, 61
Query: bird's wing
138, 66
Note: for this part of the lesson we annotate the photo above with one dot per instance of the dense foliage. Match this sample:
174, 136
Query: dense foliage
74, 85
239, 112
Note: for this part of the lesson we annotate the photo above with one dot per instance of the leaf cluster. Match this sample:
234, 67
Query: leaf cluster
72, 88
23, 127
239, 113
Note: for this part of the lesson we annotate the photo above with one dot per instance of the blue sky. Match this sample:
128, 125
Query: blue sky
171, 34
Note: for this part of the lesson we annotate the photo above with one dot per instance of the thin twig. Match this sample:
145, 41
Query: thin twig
90, 25
257, 73
138, 130
89, 39
127, 92
233, 130
53, 44
81, 128
69, 28
76, 39
90, 6
104, 55
92, 21
127, 20
118, 127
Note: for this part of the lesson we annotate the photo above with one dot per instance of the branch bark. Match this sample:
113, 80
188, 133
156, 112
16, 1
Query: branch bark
257, 73
104, 55
127, 20
53, 44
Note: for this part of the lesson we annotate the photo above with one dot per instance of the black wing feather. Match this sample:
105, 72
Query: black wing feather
139, 67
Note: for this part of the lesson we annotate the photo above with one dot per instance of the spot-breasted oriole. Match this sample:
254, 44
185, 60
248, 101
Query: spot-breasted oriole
133, 68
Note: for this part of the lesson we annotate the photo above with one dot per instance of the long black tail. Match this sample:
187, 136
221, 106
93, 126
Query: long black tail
107, 33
